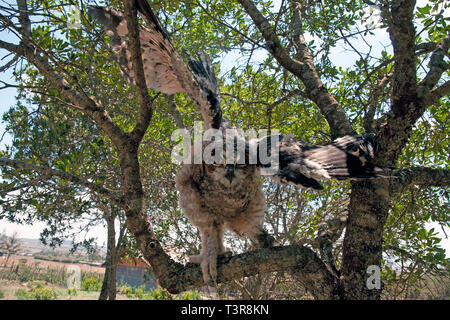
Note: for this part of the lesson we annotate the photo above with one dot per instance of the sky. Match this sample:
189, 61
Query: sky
339, 56
33, 231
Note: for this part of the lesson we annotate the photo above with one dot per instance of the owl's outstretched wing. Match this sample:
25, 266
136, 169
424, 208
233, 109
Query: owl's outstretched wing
302, 165
164, 69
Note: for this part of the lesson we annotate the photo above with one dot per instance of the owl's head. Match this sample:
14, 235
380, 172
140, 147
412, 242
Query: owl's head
226, 157
230, 174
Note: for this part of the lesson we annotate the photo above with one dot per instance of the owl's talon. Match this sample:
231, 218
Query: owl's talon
225, 256
195, 259
265, 240
209, 268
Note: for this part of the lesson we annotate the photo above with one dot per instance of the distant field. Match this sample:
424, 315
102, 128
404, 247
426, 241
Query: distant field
34, 246
25, 278
22, 273
9, 287
51, 264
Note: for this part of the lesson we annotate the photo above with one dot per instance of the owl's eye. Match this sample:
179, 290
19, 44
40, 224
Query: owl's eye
211, 167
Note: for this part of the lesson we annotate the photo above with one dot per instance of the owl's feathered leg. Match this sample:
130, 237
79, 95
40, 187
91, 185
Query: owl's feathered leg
211, 229
250, 223
212, 247
255, 232
224, 252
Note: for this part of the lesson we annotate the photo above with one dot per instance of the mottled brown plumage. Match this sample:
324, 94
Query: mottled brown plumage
212, 203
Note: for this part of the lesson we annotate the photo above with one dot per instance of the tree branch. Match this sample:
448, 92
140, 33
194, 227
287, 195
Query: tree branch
437, 93
95, 111
81, 100
9, 63
24, 185
302, 261
17, 49
289, 95
325, 241
437, 67
368, 121
174, 111
416, 258
17, 164
138, 68
402, 34
408, 99
24, 17
419, 176
303, 68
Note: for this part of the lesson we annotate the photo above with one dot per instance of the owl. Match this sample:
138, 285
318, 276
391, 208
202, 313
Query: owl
224, 192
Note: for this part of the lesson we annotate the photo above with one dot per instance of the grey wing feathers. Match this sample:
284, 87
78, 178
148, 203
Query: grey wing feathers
150, 18
344, 158
348, 157
164, 69
206, 78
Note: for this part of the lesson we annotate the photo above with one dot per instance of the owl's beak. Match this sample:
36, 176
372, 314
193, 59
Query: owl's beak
230, 172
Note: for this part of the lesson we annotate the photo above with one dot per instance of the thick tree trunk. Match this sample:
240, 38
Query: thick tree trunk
112, 282
104, 290
108, 291
362, 248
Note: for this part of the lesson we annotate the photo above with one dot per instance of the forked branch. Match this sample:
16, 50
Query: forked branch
302, 67
138, 68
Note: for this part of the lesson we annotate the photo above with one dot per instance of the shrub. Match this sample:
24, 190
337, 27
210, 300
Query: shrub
37, 292
131, 292
57, 258
2, 295
157, 294
26, 272
72, 291
91, 284
35, 284
139, 292
128, 291
21, 294
191, 295
42, 293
